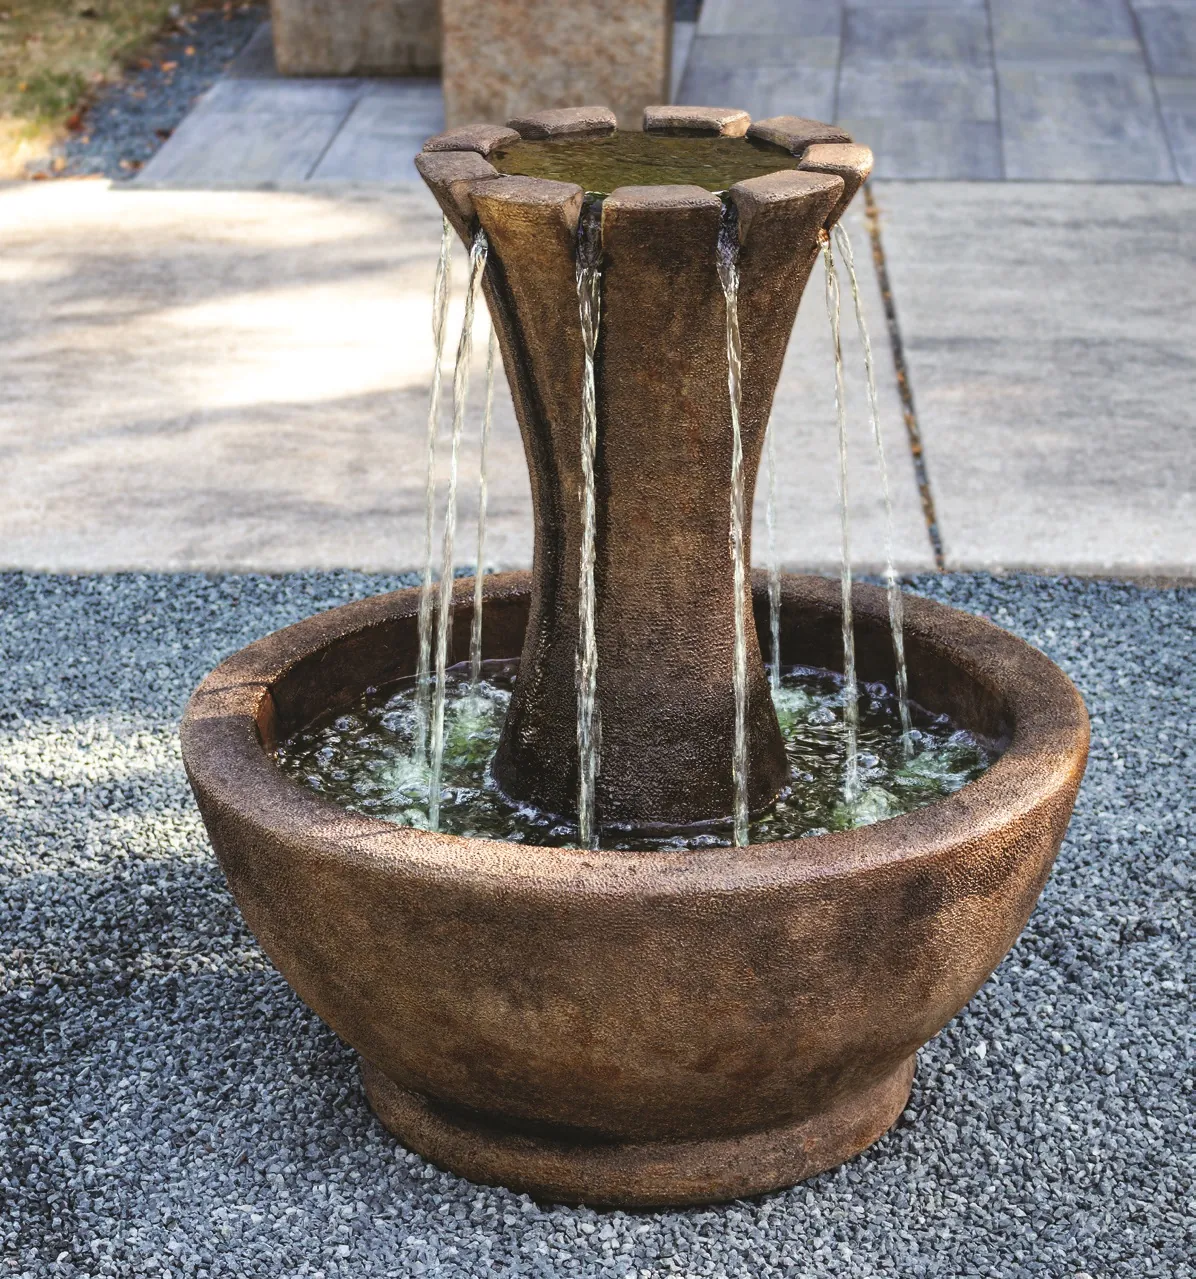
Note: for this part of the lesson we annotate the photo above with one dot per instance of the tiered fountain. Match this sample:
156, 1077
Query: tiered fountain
636, 1017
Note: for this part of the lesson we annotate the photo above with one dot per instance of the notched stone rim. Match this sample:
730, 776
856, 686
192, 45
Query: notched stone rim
706, 122
225, 756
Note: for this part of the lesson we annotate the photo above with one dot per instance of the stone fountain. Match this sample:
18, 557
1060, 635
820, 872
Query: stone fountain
639, 1028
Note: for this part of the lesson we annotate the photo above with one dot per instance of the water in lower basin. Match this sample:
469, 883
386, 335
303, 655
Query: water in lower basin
365, 758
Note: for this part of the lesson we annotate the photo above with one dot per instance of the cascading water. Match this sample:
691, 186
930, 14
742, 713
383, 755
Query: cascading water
728, 274
477, 264
440, 294
851, 704
774, 572
896, 610
589, 723
475, 635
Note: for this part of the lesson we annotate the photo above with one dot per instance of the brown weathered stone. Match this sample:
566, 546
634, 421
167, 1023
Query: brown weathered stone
728, 121
564, 121
795, 132
449, 175
356, 37
504, 58
850, 162
482, 138
637, 1028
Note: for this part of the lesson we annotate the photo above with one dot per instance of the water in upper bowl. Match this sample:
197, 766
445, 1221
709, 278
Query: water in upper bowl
623, 159
364, 759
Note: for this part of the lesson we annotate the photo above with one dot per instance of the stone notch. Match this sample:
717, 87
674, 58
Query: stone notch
850, 162
482, 138
795, 132
563, 121
450, 175
729, 122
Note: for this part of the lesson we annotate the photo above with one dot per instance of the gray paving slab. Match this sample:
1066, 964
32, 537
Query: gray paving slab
1169, 35
1094, 124
224, 148
381, 137
764, 75
902, 92
946, 150
256, 59
232, 379
1177, 106
886, 36
1067, 30
1049, 334
806, 18
301, 96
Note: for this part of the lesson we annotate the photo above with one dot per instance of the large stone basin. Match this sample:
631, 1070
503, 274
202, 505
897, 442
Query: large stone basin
629, 1028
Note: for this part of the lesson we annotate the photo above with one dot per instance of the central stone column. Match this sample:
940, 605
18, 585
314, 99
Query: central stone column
664, 576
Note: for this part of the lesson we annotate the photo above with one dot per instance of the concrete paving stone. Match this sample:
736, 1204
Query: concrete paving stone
1169, 34
230, 149
904, 92
1095, 124
1177, 105
683, 39
1049, 334
806, 18
282, 97
379, 141
937, 149
764, 75
256, 59
937, 5
917, 36
232, 379
1066, 30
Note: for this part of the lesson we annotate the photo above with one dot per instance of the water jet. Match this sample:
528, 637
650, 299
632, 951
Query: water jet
656, 1019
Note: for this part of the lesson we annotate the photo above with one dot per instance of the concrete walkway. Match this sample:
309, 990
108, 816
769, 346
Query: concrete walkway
239, 380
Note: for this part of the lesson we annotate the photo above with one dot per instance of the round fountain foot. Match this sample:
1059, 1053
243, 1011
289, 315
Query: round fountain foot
650, 1174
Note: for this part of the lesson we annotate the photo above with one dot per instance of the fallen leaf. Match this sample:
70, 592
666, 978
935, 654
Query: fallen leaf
74, 122
169, 66
190, 51
59, 163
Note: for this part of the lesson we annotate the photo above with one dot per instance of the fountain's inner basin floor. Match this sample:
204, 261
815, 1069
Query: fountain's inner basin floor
600, 164
364, 758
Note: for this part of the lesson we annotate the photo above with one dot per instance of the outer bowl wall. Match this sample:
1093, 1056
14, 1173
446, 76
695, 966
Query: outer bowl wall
599, 999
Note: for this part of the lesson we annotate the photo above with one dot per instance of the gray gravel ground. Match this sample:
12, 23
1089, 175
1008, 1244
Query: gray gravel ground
129, 120
167, 1106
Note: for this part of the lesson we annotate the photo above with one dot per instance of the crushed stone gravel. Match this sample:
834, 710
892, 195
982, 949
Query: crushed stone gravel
169, 1108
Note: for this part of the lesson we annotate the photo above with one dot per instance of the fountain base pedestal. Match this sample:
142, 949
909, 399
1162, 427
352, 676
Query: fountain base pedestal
628, 1174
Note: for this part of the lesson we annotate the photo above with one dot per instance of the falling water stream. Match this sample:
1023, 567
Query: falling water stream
440, 295
851, 708
444, 612
774, 572
728, 274
475, 634
589, 723
896, 610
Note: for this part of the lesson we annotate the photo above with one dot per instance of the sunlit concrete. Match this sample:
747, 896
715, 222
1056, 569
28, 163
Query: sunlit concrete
238, 380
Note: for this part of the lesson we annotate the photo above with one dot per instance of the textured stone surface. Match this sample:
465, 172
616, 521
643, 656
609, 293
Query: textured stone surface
356, 37
648, 1026
664, 409
727, 121
503, 58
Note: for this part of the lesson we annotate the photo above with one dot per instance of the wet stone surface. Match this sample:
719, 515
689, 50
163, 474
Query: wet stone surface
167, 1106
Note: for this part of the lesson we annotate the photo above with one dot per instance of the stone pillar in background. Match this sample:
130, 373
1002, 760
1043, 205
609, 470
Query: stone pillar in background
356, 37
504, 58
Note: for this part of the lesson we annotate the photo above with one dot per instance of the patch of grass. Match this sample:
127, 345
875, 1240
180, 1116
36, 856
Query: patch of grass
53, 53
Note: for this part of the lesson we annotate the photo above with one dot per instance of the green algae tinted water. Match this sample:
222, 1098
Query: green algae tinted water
363, 759
621, 159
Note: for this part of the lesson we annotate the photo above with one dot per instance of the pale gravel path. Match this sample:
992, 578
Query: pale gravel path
168, 1107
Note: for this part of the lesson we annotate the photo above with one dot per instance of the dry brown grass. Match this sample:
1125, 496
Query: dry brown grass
53, 53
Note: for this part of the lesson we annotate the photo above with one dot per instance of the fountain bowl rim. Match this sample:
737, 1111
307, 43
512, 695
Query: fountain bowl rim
227, 759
